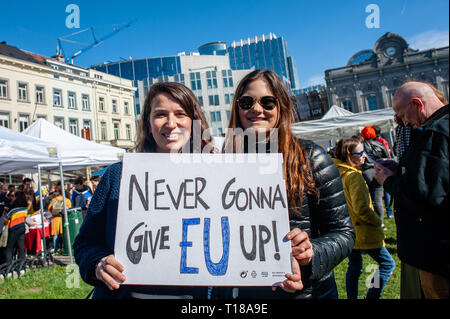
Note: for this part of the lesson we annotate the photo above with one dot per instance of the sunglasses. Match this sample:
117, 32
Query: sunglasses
267, 102
359, 153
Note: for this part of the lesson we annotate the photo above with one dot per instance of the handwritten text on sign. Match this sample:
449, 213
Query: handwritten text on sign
202, 220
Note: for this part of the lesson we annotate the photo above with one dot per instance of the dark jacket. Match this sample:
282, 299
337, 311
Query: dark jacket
420, 193
375, 151
328, 225
96, 240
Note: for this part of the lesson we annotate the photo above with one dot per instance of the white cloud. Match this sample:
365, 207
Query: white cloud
429, 39
315, 80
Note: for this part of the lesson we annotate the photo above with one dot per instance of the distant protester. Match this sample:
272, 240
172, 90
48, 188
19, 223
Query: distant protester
350, 156
81, 195
374, 151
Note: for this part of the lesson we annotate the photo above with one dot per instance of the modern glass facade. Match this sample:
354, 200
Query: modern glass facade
265, 52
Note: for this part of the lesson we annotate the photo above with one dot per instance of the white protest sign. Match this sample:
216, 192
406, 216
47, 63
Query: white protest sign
203, 219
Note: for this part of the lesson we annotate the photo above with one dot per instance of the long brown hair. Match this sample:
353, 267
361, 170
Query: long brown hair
186, 98
296, 164
344, 148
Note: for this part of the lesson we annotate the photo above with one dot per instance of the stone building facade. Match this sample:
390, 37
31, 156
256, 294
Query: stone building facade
371, 77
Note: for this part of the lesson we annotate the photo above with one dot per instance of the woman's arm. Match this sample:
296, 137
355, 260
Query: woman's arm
90, 244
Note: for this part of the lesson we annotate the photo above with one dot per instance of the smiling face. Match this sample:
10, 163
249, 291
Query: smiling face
170, 124
257, 117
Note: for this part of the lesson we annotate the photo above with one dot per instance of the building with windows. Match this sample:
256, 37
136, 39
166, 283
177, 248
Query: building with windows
260, 52
87, 103
209, 76
311, 103
371, 77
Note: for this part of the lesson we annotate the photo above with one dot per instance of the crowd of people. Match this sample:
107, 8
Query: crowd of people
20, 211
337, 200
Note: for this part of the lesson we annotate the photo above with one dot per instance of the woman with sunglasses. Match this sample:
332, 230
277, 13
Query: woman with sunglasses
321, 231
166, 124
350, 156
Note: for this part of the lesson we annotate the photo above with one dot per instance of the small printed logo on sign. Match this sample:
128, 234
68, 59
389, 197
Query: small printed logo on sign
244, 273
277, 274
254, 274
264, 274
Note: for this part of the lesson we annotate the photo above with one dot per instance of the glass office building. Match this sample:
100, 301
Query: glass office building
265, 52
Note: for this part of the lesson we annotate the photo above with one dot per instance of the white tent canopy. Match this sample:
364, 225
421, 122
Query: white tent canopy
20, 153
73, 151
344, 126
336, 111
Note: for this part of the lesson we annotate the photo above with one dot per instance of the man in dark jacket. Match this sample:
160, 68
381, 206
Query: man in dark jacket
420, 186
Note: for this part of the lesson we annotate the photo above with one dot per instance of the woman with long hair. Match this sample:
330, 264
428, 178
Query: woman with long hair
166, 124
321, 231
350, 156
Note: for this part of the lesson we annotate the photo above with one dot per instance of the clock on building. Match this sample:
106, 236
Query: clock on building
390, 51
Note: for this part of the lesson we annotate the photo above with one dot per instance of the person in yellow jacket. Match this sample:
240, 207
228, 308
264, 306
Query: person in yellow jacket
56, 207
349, 157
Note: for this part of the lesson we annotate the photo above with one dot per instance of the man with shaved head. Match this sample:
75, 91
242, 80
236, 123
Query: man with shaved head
420, 186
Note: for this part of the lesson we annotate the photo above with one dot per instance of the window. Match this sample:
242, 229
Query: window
228, 115
4, 120
103, 131
179, 77
59, 122
126, 108
23, 122
85, 102
3, 89
116, 130
213, 99
40, 96
128, 131
227, 76
347, 104
72, 100
196, 83
211, 79
372, 103
22, 92
215, 116
114, 106
73, 126
200, 100
86, 130
101, 104
57, 97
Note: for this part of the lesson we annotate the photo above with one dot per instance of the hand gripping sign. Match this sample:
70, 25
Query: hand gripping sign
203, 219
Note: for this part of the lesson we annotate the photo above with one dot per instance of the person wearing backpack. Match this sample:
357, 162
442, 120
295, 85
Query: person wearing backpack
81, 195
375, 151
56, 207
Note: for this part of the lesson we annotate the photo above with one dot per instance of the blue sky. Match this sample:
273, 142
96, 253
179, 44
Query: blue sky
320, 34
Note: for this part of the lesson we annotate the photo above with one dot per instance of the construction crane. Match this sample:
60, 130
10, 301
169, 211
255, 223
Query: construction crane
60, 50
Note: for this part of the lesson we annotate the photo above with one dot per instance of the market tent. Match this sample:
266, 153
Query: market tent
344, 126
73, 151
20, 153
336, 111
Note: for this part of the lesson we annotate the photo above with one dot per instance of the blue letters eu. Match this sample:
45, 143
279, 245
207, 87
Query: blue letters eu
220, 268
184, 244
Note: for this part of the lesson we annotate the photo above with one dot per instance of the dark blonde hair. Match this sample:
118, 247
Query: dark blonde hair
344, 148
296, 164
187, 100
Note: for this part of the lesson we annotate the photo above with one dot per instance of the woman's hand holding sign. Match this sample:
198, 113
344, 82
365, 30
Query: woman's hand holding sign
109, 271
301, 246
302, 254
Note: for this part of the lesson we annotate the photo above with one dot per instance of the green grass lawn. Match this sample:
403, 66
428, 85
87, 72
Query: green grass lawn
392, 288
65, 282
54, 282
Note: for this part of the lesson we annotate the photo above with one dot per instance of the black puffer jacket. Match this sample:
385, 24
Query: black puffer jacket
328, 225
